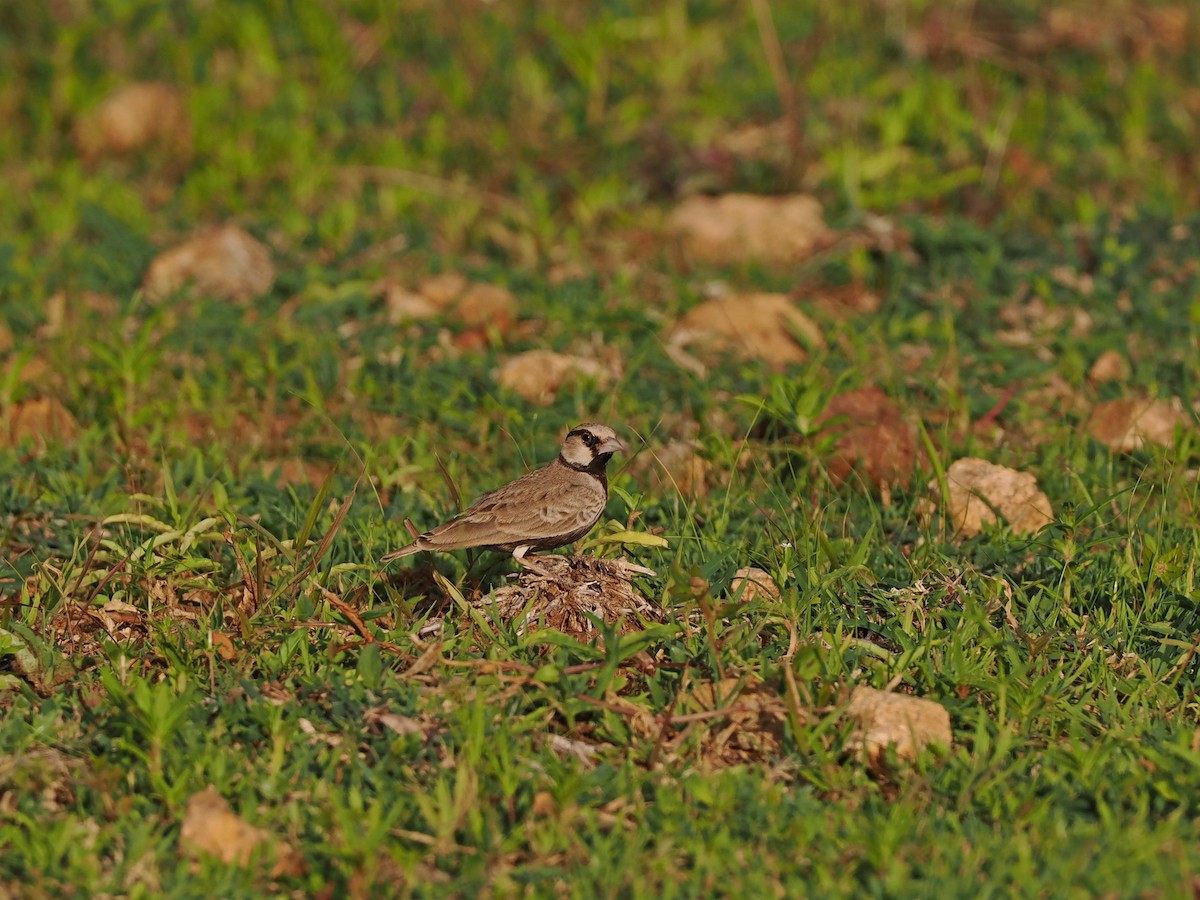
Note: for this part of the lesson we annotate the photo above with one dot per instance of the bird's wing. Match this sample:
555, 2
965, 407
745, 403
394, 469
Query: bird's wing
538, 506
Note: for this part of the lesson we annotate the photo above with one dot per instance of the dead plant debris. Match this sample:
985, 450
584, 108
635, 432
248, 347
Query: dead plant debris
677, 466
45, 771
572, 586
211, 827
1110, 366
750, 583
482, 308
40, 420
740, 722
728, 722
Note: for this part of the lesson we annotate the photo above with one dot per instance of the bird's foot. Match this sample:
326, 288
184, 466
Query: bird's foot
530, 564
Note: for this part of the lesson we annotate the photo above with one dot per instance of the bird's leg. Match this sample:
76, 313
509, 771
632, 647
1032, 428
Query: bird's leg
528, 563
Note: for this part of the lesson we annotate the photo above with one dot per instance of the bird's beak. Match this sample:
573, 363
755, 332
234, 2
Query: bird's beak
612, 445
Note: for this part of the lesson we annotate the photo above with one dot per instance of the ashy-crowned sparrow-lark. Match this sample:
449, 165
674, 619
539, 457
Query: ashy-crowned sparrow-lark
543, 509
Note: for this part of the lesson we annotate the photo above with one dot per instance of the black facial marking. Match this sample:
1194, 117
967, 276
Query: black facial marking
586, 436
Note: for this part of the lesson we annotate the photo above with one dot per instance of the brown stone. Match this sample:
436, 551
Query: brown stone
41, 420
1130, 423
873, 439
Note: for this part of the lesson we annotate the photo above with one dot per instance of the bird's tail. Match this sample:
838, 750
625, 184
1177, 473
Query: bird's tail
408, 550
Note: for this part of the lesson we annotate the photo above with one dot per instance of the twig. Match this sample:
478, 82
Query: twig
357, 621
326, 540
431, 184
453, 488
992, 414
522, 668
788, 100
708, 714
660, 740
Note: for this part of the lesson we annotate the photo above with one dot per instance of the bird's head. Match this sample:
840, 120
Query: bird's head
590, 446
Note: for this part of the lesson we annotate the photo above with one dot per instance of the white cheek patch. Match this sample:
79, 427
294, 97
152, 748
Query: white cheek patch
577, 453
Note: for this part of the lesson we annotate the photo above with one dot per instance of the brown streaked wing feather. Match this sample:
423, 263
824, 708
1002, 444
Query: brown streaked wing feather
538, 506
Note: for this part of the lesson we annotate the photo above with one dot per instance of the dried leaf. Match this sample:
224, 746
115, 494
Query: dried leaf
403, 305
393, 722
676, 467
543, 806
1109, 366
316, 736
16, 652
223, 645
756, 142
483, 308
486, 305
41, 420
580, 750
276, 694
873, 438
441, 290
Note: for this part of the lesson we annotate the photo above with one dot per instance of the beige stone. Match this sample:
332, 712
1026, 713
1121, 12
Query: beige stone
909, 724
750, 583
742, 228
537, 375
976, 486
133, 117
754, 326
224, 262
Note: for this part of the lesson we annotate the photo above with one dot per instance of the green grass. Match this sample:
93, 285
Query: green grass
176, 572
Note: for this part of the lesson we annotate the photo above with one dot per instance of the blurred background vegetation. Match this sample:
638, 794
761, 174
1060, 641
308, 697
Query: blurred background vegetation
538, 131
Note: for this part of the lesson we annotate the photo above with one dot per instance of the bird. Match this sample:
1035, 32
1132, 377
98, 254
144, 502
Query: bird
547, 508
